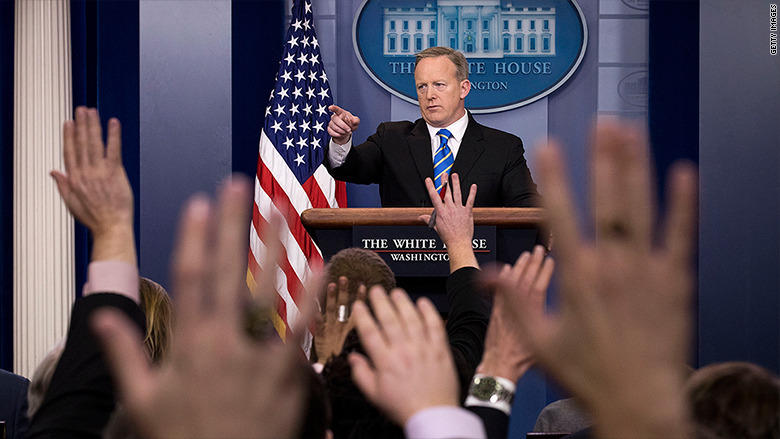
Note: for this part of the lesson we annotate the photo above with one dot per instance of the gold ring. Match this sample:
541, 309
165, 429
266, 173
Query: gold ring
257, 320
615, 230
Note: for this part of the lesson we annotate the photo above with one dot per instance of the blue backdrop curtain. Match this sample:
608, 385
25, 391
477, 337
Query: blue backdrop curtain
104, 38
673, 107
257, 41
673, 117
83, 44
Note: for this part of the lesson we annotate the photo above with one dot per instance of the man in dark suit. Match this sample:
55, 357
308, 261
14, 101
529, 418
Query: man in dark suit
13, 404
400, 155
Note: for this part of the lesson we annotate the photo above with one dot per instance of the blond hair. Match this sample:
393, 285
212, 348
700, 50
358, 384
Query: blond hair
158, 308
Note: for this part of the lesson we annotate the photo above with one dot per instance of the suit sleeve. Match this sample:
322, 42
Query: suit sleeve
81, 396
517, 187
467, 324
13, 404
20, 424
496, 422
469, 314
364, 162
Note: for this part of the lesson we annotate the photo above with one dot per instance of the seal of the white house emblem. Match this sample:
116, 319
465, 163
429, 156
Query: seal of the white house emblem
518, 51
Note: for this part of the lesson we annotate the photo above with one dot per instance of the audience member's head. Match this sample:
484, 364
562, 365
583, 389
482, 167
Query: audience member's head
158, 308
157, 305
41, 379
360, 266
735, 400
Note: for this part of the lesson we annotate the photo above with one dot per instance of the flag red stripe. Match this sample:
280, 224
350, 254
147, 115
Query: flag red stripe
282, 202
341, 193
294, 284
316, 196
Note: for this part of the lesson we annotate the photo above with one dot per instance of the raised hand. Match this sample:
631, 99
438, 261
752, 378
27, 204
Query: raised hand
95, 187
621, 336
333, 327
454, 221
411, 365
217, 381
508, 352
342, 124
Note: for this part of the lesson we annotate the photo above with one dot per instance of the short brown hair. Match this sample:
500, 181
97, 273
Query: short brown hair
457, 58
360, 266
735, 399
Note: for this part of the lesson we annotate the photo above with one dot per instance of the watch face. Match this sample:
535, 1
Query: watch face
484, 388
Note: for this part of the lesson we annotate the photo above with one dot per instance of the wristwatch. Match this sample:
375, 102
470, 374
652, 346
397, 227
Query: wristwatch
492, 389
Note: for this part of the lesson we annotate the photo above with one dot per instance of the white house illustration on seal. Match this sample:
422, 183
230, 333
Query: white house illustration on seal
478, 28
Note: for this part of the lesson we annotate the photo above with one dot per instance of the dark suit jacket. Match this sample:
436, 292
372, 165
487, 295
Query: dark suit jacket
496, 422
13, 403
398, 157
80, 398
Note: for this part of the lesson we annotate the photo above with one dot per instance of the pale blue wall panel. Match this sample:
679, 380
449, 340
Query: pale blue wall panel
185, 120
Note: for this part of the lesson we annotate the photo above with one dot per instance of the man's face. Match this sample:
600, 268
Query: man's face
439, 92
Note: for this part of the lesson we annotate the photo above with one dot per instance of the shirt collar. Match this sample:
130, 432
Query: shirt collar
457, 128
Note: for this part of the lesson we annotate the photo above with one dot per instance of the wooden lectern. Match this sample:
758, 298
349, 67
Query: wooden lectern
516, 230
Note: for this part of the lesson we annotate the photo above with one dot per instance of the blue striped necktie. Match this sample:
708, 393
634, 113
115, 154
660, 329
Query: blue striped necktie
442, 160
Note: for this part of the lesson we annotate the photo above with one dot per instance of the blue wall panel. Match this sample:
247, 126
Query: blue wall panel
739, 285
185, 116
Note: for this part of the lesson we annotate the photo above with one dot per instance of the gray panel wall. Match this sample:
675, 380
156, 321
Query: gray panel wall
739, 155
185, 105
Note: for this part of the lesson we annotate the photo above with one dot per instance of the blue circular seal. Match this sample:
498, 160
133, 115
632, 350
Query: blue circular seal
518, 51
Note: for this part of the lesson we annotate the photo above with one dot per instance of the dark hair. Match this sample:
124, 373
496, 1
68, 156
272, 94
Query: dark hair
735, 400
360, 265
353, 415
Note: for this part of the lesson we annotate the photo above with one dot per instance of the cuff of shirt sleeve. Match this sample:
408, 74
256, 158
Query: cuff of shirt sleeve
444, 422
337, 154
113, 277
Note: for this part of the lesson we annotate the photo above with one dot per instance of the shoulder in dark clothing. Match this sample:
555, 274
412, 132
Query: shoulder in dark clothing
81, 396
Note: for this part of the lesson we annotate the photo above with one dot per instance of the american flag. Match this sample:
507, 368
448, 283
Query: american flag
290, 175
